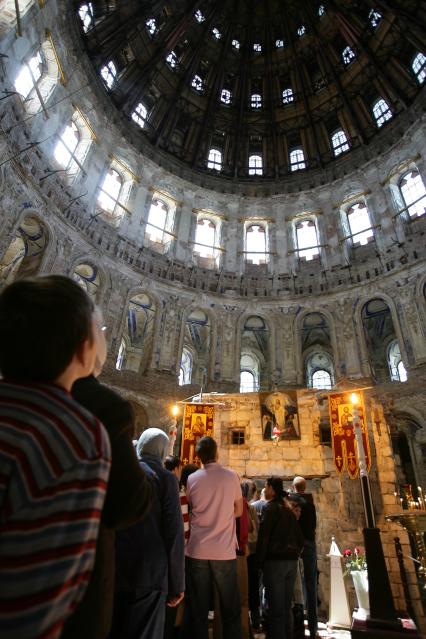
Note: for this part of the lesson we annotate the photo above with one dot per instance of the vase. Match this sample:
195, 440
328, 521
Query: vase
360, 579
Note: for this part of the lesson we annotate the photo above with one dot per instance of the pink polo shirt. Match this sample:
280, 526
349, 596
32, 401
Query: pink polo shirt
211, 493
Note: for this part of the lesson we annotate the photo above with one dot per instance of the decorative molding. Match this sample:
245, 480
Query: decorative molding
57, 60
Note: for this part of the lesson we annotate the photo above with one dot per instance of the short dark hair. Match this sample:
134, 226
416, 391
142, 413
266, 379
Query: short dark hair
171, 462
186, 472
43, 321
206, 449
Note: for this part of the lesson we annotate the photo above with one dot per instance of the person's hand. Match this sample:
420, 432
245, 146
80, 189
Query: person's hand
174, 600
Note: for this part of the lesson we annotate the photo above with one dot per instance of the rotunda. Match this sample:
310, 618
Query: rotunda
240, 186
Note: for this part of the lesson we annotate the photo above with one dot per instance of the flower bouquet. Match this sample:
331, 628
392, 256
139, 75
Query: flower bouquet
356, 566
354, 560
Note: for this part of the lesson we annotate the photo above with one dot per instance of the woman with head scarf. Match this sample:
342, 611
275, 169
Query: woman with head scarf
150, 554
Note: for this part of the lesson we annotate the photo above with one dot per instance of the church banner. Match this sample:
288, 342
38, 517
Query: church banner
197, 422
343, 435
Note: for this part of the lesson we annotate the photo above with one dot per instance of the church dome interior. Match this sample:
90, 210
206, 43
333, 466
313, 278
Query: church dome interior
240, 185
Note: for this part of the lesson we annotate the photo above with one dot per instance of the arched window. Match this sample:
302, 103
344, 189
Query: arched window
339, 142
255, 165
109, 73
87, 276
138, 335
217, 34
348, 55
288, 96
38, 77
301, 31
113, 193
172, 60
85, 13
397, 369
279, 43
256, 244
24, 255
419, 67
257, 47
140, 115
185, 371
381, 112
414, 193
236, 44
197, 83
374, 16
215, 160
247, 382
199, 16
307, 239
151, 25
205, 238
226, 96
249, 373
73, 145
359, 223
256, 101
321, 10
160, 222
321, 379
297, 160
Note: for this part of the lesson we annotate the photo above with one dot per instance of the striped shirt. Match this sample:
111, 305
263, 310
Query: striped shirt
54, 467
185, 512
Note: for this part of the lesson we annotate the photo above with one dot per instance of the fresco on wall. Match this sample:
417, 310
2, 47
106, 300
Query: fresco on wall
279, 417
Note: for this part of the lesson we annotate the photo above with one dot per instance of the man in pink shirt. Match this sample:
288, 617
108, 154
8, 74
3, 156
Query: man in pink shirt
215, 500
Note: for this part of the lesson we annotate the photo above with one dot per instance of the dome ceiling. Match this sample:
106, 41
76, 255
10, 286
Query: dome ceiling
257, 89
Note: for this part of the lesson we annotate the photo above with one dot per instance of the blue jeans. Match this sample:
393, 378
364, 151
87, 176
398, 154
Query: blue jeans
310, 577
279, 577
201, 574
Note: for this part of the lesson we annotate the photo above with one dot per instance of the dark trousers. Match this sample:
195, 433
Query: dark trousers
310, 576
253, 585
201, 575
138, 617
279, 577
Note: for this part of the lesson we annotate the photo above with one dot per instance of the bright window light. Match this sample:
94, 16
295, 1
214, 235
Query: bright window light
199, 16
414, 193
374, 17
110, 191
247, 382
359, 223
226, 96
29, 75
109, 73
321, 379
197, 83
255, 165
288, 96
140, 114
256, 101
157, 221
321, 10
381, 112
307, 241
257, 47
339, 142
215, 160
235, 44
297, 160
348, 55
217, 34
301, 31
205, 238
172, 59
419, 67
86, 16
256, 244
151, 25
279, 43
66, 147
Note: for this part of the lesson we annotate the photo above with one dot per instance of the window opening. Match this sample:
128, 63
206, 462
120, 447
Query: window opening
256, 244
339, 142
307, 240
288, 96
297, 160
374, 17
398, 372
158, 221
205, 238
414, 193
85, 13
29, 75
199, 16
359, 223
301, 31
109, 73
321, 10
381, 112
172, 60
256, 101
279, 43
348, 55
197, 83
226, 96
185, 373
257, 47
322, 379
237, 437
215, 160
235, 44
248, 382
151, 25
217, 34
140, 115
65, 148
419, 67
255, 165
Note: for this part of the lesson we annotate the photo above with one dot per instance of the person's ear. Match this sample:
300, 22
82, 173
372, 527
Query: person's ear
86, 356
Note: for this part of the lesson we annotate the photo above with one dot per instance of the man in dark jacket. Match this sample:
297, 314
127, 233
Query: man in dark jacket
150, 555
127, 500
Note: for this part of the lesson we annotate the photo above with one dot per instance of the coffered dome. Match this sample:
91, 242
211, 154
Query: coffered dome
249, 90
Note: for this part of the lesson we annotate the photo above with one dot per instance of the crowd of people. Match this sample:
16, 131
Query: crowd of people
102, 539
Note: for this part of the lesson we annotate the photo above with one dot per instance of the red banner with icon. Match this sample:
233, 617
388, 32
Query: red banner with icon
197, 422
343, 412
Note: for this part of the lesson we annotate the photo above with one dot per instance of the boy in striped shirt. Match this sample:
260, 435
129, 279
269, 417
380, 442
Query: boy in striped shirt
54, 455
